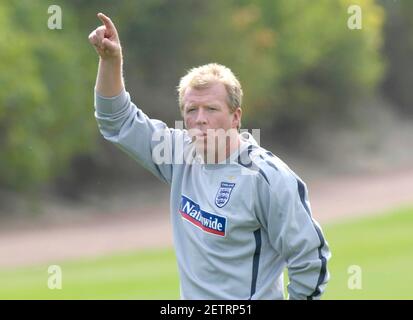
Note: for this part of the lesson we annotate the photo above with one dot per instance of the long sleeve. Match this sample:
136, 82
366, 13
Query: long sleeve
286, 215
125, 125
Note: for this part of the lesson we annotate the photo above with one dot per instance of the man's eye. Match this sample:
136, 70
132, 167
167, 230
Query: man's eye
212, 108
190, 110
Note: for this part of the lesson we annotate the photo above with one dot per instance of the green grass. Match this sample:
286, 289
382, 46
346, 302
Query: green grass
141, 275
382, 246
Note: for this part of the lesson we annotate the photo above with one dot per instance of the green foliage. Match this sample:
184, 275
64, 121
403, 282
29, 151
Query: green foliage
298, 61
398, 51
44, 92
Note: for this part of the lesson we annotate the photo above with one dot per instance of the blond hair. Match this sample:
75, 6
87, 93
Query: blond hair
208, 74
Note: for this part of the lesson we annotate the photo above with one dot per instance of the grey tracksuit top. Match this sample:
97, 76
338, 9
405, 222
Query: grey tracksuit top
237, 224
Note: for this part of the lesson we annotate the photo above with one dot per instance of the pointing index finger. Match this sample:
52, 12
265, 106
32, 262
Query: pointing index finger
106, 21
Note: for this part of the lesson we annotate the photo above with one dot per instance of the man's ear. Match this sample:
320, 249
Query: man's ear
236, 121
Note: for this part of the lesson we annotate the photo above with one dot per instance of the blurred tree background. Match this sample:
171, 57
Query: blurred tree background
45, 78
301, 67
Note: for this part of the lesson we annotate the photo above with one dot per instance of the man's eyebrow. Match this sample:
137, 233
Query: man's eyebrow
192, 105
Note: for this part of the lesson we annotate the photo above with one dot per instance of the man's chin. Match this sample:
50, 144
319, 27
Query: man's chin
205, 152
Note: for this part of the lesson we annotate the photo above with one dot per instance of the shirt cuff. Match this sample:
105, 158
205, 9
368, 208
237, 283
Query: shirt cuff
110, 105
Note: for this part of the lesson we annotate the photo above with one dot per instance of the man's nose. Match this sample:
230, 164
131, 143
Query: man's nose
201, 117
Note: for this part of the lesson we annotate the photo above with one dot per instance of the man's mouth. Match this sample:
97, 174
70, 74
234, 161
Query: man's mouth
198, 133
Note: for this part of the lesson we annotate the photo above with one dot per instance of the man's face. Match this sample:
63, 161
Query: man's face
207, 115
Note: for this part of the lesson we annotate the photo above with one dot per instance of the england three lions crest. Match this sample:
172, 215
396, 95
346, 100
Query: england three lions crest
223, 194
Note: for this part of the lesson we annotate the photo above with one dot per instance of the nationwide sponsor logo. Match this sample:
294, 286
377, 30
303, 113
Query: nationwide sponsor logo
223, 194
208, 222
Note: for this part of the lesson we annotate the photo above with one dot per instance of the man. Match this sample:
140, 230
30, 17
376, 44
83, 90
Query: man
240, 216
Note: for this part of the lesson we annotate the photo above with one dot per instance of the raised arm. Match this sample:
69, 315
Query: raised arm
105, 39
119, 120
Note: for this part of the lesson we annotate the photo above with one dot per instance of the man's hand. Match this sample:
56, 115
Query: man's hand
105, 39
